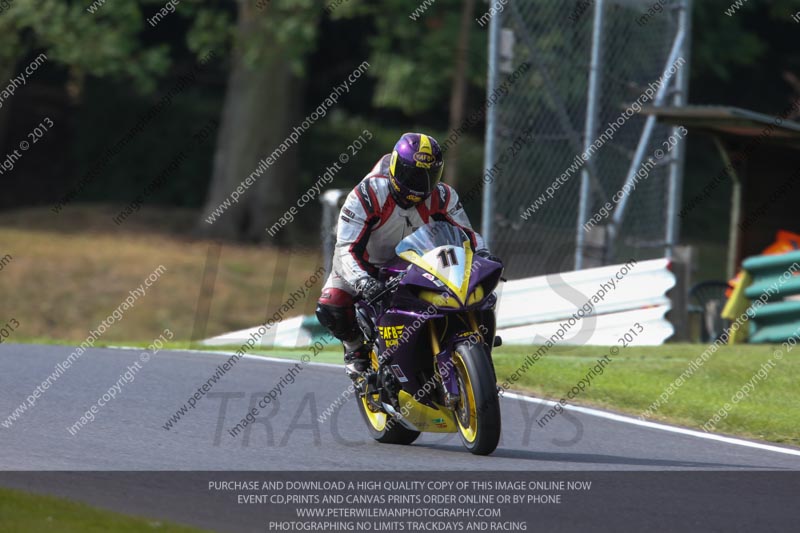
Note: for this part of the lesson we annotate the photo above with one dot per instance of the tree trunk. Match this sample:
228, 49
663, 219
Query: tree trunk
459, 90
6, 72
258, 114
8, 64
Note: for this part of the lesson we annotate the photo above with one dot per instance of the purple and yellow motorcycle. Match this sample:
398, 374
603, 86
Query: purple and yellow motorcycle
432, 332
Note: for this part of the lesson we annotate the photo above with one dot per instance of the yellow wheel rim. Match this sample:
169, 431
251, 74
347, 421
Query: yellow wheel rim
376, 418
470, 431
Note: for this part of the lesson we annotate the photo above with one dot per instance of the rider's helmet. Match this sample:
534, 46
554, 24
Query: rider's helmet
415, 168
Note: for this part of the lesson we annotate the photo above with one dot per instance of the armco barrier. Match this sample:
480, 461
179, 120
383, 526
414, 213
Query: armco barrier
534, 308
777, 277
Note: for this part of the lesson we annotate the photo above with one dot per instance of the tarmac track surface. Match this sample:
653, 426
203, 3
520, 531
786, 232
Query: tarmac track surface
128, 434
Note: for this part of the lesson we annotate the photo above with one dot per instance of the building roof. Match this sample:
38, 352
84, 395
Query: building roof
728, 122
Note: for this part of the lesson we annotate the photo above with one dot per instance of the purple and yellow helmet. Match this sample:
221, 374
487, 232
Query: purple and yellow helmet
415, 168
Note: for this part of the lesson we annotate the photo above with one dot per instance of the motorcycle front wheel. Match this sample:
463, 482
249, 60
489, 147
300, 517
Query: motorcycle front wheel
382, 427
478, 410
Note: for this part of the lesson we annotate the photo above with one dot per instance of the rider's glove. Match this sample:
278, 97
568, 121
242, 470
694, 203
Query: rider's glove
369, 288
486, 254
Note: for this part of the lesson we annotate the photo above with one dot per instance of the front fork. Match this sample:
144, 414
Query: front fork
444, 366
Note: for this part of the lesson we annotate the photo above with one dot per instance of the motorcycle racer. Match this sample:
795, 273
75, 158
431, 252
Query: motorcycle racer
401, 193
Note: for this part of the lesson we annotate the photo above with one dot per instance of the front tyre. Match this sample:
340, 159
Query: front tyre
478, 410
381, 426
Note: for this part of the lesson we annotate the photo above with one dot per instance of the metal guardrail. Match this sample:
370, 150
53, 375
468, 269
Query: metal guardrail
532, 310
777, 277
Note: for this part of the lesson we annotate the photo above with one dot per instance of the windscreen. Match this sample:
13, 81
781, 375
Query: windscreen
432, 236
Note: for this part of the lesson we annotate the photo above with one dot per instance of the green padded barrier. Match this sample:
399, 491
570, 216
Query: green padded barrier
779, 319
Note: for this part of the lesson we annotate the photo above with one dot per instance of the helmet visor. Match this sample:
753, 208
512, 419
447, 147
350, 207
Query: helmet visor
419, 180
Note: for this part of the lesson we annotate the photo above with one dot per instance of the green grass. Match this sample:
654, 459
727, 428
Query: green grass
68, 275
27, 513
637, 376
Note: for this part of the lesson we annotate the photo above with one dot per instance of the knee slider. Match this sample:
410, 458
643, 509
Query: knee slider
340, 321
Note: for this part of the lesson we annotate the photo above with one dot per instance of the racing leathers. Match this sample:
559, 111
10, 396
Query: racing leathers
370, 225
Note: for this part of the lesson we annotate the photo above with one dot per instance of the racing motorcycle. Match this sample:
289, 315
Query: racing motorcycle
431, 334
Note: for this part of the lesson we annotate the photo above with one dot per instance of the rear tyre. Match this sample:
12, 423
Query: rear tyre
382, 427
478, 410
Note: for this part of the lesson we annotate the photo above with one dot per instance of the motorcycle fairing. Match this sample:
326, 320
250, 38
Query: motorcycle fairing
454, 274
410, 330
424, 418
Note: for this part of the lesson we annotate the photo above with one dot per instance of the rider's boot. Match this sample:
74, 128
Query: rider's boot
356, 357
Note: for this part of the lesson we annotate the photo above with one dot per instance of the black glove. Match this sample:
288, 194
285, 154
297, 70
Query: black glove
369, 288
486, 254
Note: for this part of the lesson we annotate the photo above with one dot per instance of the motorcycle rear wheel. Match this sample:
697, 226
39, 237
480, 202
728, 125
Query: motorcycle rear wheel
478, 410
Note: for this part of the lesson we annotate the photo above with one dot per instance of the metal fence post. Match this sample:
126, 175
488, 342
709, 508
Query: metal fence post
331, 201
487, 207
579, 80
679, 152
590, 130
650, 123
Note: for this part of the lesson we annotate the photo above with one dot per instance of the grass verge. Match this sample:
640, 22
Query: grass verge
62, 281
637, 376
27, 513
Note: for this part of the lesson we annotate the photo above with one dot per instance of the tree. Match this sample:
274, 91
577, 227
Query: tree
262, 105
106, 44
422, 58
458, 94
